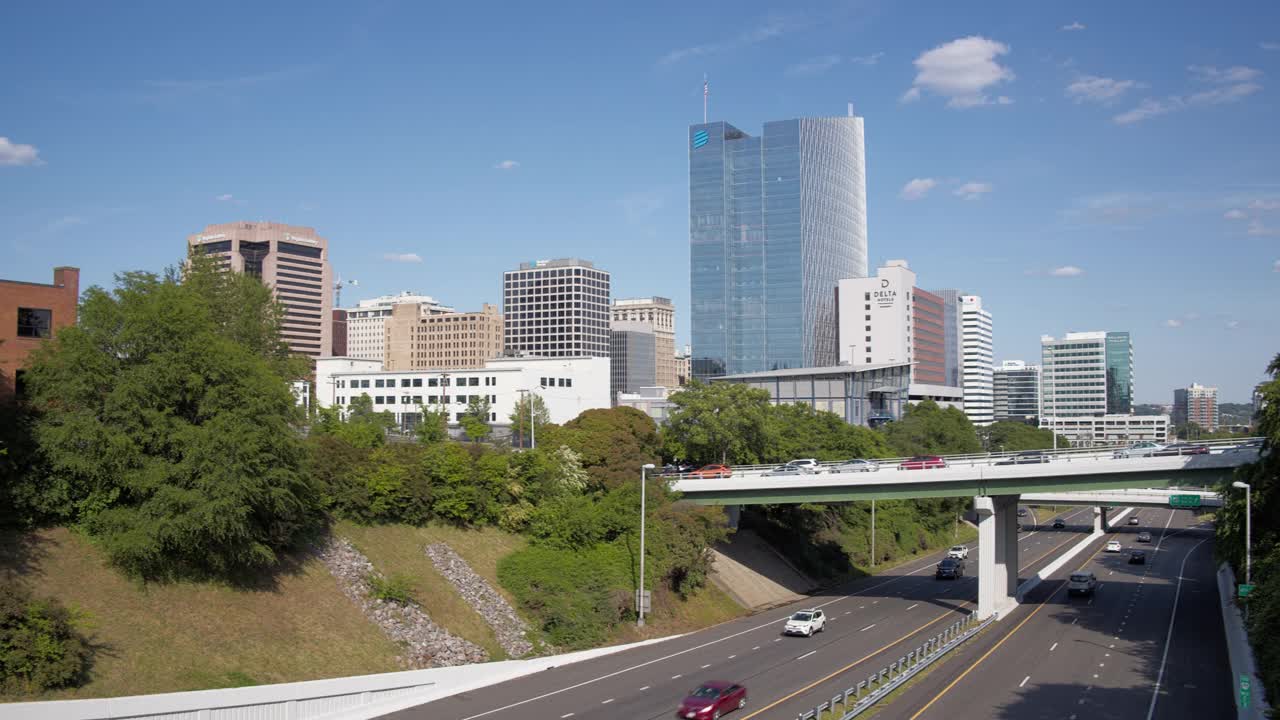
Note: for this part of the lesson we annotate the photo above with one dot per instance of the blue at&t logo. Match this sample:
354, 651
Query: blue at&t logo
700, 138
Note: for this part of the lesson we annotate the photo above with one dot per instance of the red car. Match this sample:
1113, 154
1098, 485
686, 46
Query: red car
922, 462
708, 472
713, 699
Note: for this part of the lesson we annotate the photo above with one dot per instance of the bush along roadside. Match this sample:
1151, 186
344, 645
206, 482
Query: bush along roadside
40, 648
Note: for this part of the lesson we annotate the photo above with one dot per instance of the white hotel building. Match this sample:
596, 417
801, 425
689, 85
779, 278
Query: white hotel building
567, 386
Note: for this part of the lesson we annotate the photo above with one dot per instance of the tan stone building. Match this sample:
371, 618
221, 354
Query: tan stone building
658, 313
417, 339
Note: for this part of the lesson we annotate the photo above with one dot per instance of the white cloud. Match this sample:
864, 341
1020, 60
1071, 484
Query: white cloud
1233, 324
225, 197
871, 59
1173, 323
1092, 88
1148, 108
1066, 271
1075, 25
12, 153
1265, 204
1229, 93
814, 66
1230, 84
1234, 214
973, 190
961, 70
1235, 74
917, 188
771, 28
403, 257
1269, 45
507, 165
1258, 229
1118, 208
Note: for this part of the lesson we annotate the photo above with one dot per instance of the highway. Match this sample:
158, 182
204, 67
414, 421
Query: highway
870, 621
1125, 653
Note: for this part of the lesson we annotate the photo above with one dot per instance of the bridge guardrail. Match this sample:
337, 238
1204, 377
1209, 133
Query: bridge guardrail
988, 458
870, 691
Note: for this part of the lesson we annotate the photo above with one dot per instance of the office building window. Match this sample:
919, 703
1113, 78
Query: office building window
364, 383
377, 383
417, 382
417, 399
404, 382
404, 400
34, 322
433, 382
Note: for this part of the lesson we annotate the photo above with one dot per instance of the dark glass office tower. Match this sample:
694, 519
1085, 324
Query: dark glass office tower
774, 222
1119, 373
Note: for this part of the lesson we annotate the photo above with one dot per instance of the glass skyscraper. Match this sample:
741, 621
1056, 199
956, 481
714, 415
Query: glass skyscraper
774, 222
1119, 373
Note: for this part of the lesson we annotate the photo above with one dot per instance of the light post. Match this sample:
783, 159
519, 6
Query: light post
640, 599
1248, 530
873, 533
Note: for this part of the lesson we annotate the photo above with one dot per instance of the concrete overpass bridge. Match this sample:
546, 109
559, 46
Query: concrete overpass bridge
997, 482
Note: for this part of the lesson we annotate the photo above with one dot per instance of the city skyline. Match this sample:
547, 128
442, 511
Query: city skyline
1053, 176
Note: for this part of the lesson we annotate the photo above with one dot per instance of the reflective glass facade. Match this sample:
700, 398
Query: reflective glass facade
774, 222
1119, 373
868, 397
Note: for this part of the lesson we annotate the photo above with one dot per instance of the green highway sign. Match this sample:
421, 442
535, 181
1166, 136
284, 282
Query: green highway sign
1184, 501
1245, 692
1244, 590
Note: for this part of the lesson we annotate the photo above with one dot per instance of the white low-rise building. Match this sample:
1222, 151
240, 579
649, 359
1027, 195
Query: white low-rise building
1109, 429
650, 400
567, 387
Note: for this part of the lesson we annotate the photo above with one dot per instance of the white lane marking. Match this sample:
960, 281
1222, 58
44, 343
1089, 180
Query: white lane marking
1053, 647
867, 627
756, 647
873, 602
1164, 657
806, 654
704, 667
646, 687
732, 657
675, 677
606, 702
1074, 620
914, 606
846, 612
1024, 681
777, 639
862, 607
566, 715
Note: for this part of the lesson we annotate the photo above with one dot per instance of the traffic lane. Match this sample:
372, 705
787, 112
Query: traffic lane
816, 693
614, 674
1094, 657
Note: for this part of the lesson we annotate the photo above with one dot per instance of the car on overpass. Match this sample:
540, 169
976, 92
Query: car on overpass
856, 465
1183, 448
786, 471
1027, 457
808, 465
712, 700
806, 623
1139, 449
1082, 583
711, 472
950, 568
922, 462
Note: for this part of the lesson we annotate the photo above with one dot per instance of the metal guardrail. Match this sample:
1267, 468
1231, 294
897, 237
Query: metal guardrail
988, 458
866, 693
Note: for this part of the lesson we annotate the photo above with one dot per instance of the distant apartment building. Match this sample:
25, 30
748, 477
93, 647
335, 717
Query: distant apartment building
1103, 430
683, 367
418, 337
1016, 392
658, 313
339, 332
30, 314
632, 358
886, 319
1086, 374
290, 259
976, 360
652, 401
1196, 404
367, 322
556, 308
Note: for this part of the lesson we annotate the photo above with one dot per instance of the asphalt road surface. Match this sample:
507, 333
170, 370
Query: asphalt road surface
1149, 643
870, 621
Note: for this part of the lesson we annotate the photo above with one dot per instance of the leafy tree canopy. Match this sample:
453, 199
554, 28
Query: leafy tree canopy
611, 444
927, 429
718, 422
1009, 436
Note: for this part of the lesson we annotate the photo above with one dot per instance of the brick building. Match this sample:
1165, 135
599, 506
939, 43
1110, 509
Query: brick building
31, 313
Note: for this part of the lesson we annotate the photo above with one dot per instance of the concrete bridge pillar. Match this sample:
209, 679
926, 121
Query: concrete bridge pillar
734, 515
1099, 520
997, 553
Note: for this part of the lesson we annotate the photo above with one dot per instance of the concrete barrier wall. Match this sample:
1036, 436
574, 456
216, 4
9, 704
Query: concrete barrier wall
1239, 653
350, 697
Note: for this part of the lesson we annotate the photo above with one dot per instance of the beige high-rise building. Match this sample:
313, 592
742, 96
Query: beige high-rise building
294, 262
367, 322
658, 313
419, 339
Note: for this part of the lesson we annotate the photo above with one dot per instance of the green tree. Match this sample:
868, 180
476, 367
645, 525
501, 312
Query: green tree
40, 648
611, 444
166, 437
927, 429
361, 427
522, 423
434, 427
798, 431
718, 422
1010, 436
475, 419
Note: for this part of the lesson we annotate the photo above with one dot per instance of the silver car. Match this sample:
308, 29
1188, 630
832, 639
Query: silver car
786, 471
809, 465
856, 465
1142, 449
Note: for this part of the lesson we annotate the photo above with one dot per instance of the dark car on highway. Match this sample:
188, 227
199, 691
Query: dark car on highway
1138, 557
713, 699
1058, 524
1027, 457
922, 462
1144, 537
952, 568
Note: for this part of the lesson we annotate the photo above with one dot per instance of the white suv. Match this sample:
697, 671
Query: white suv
960, 552
808, 465
1082, 583
1113, 546
806, 623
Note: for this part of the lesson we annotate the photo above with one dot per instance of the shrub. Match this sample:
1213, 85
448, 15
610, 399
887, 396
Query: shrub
39, 646
571, 594
397, 588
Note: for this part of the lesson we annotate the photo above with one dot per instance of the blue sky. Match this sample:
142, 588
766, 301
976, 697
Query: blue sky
1081, 166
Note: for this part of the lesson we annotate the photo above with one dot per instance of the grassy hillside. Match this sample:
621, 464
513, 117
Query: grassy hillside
189, 636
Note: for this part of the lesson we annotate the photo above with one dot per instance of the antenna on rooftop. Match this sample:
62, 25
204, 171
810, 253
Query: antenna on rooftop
706, 97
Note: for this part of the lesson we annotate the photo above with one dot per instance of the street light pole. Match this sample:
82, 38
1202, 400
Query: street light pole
873, 533
640, 595
1248, 530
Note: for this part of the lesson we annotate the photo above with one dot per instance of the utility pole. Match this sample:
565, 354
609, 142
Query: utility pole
873, 533
640, 597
